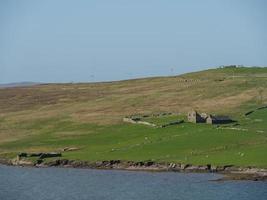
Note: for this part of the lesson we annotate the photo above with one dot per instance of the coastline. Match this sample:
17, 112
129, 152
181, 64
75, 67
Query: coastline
229, 172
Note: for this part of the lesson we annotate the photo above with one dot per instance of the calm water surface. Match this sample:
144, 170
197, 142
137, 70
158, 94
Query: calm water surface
85, 184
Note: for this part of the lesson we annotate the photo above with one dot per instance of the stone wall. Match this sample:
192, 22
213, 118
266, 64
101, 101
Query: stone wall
138, 120
132, 121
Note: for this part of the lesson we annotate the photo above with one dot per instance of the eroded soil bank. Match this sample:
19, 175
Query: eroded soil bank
230, 172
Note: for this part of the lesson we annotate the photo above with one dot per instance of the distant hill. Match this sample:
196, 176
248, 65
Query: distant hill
88, 117
18, 84
228, 90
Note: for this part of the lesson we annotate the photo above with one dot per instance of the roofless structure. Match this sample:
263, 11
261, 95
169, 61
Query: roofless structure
194, 117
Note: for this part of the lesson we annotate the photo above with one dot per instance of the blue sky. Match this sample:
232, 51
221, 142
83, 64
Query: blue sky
101, 40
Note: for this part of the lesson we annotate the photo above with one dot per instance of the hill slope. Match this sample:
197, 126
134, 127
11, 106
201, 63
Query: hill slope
88, 116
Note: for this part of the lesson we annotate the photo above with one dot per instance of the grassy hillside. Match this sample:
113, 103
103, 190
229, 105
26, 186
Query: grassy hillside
89, 116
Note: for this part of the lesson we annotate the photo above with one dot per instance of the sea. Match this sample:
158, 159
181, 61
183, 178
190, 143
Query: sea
26, 183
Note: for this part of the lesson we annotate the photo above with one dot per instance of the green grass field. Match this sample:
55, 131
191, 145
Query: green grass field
89, 117
162, 120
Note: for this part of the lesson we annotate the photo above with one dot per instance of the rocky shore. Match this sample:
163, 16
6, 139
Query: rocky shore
230, 172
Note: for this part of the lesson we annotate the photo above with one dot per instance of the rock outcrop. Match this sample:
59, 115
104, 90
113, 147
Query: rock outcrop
231, 172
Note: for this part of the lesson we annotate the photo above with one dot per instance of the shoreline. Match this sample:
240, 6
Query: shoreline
229, 172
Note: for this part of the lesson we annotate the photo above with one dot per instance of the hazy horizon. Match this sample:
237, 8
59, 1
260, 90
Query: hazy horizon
95, 41
123, 79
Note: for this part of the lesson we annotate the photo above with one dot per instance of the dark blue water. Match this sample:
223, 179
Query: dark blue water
84, 184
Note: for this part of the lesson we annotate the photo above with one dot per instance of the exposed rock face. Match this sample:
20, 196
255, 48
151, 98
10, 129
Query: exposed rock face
22, 162
193, 168
232, 172
213, 168
184, 166
172, 165
149, 163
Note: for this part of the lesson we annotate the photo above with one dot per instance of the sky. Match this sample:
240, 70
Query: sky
104, 40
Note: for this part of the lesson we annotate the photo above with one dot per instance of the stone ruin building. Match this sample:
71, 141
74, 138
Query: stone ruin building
194, 117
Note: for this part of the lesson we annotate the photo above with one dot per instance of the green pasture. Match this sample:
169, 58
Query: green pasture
243, 145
